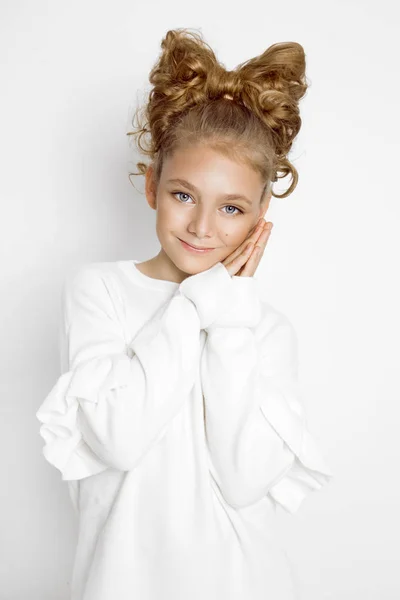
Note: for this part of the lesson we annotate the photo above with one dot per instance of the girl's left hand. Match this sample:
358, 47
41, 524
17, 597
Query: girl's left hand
246, 258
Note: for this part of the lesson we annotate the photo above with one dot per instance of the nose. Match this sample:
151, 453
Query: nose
202, 224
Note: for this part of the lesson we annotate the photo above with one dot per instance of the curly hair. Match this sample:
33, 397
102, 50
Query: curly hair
249, 114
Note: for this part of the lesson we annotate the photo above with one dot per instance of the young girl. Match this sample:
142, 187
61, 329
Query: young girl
177, 421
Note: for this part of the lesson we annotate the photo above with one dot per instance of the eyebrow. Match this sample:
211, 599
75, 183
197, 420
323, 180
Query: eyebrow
193, 188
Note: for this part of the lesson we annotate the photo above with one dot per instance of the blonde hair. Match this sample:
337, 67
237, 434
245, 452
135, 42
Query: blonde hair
249, 114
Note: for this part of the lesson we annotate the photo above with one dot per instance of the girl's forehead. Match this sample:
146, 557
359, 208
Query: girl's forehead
200, 158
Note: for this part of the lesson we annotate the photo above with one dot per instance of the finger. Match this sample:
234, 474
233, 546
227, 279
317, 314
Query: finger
265, 226
255, 231
252, 263
254, 259
253, 238
236, 263
262, 242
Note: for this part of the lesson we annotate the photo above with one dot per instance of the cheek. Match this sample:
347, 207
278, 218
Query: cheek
235, 238
169, 215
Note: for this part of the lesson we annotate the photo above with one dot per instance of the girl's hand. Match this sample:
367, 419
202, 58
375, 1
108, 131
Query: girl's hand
245, 259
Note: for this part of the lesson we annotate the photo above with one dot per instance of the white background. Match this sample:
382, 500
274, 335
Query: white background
71, 72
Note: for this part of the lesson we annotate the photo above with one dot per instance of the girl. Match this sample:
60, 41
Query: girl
177, 421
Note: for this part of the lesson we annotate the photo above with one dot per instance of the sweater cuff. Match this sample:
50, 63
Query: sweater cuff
223, 300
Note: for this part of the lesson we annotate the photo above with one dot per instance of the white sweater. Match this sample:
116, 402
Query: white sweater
178, 425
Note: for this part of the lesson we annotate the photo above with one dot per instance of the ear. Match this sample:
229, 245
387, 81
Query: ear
150, 188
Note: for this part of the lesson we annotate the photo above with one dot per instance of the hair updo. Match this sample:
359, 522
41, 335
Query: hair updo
250, 114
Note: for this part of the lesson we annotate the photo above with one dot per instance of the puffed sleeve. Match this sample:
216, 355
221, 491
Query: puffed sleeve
115, 400
257, 435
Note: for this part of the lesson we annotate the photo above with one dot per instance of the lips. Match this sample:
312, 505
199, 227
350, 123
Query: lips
195, 249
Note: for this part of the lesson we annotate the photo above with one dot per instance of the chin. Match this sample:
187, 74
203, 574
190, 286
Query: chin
194, 264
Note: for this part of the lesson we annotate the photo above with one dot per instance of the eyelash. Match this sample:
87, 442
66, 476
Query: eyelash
229, 214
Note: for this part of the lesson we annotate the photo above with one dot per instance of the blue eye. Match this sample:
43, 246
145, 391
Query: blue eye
184, 193
235, 207
228, 205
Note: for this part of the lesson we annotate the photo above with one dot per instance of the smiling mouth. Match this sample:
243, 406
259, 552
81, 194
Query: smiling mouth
198, 247
195, 248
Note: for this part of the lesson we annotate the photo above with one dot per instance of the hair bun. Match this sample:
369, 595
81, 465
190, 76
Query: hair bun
183, 66
273, 84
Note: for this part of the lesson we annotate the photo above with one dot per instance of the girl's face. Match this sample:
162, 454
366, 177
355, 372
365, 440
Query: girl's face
193, 204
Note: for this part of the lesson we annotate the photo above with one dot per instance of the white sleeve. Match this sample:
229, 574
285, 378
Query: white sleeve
115, 400
257, 436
